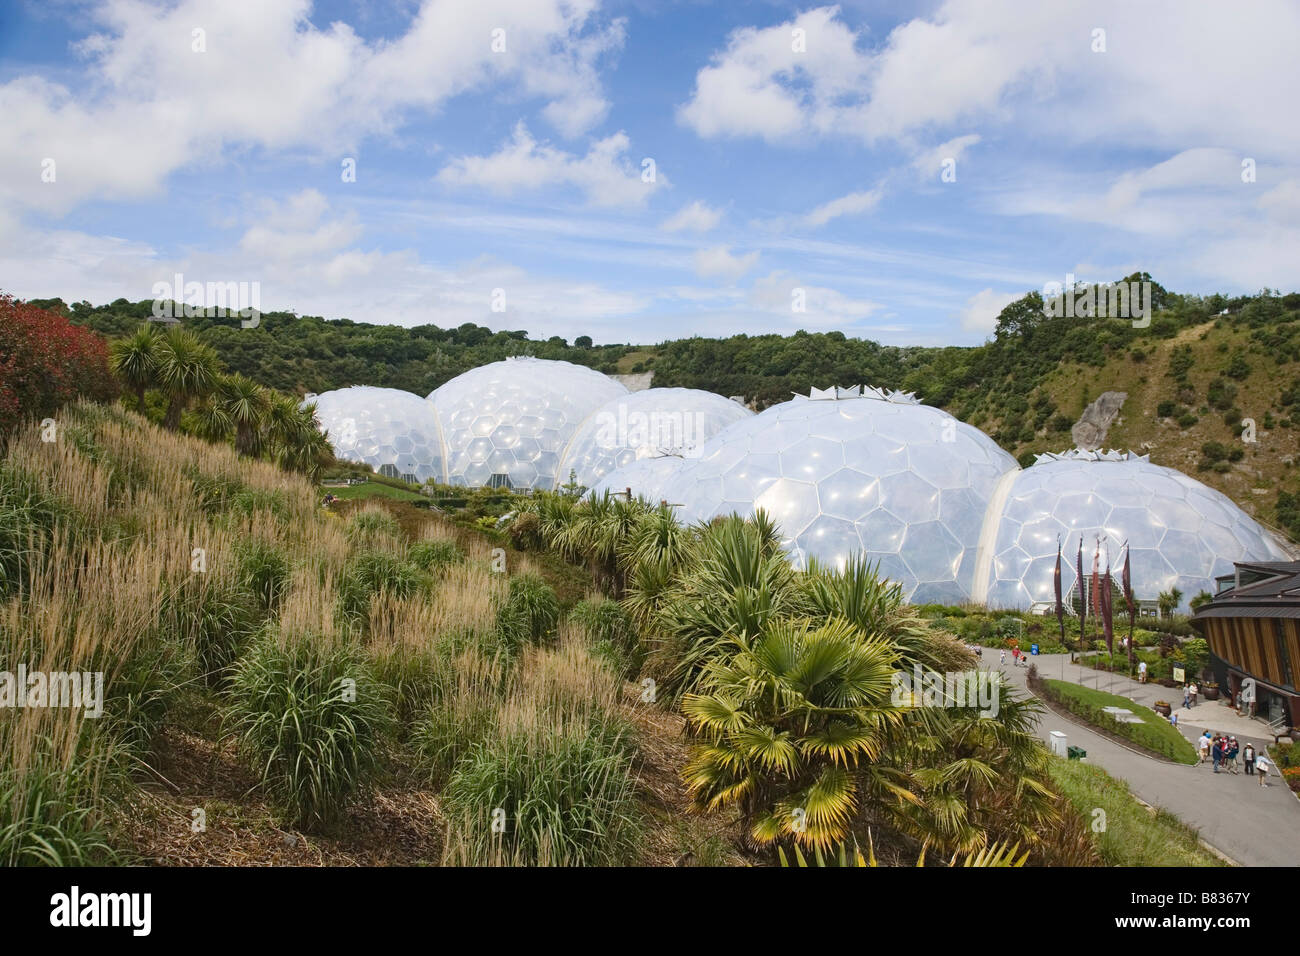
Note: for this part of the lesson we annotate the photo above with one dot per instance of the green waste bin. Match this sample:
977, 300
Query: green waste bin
1076, 753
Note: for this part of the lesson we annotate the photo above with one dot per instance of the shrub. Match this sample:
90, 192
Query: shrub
45, 362
612, 634
376, 572
264, 572
566, 793
433, 556
530, 613
46, 820
314, 737
372, 522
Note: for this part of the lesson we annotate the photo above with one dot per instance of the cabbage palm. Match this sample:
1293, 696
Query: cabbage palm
187, 369
134, 360
738, 582
787, 719
294, 437
248, 406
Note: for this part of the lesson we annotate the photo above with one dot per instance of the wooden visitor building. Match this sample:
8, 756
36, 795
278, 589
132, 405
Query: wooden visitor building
1253, 628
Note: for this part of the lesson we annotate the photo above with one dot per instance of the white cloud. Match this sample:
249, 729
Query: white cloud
320, 268
782, 293
150, 104
605, 174
929, 163
982, 310
1021, 62
718, 262
852, 204
693, 217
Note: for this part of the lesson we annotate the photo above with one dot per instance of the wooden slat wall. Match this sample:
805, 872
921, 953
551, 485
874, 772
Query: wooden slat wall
1251, 644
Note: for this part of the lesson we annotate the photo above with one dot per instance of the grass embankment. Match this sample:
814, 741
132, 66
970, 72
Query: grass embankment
1154, 733
354, 685
1129, 834
373, 489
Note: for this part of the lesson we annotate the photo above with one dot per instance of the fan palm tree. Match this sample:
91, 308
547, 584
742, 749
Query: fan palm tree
787, 718
134, 360
187, 369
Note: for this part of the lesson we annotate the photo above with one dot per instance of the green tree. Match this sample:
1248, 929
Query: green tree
134, 360
187, 370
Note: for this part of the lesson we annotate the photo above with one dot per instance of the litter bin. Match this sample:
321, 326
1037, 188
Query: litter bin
1077, 753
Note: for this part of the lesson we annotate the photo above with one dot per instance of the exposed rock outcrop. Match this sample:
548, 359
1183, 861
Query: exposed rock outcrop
1089, 432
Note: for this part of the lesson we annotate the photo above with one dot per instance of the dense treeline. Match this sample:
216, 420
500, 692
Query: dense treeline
307, 353
988, 385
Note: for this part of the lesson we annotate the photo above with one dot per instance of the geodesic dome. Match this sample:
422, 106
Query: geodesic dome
383, 427
646, 424
515, 418
849, 471
1181, 532
645, 476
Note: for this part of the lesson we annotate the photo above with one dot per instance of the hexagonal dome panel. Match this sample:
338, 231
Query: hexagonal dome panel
1181, 532
647, 424
384, 427
516, 417
645, 477
841, 473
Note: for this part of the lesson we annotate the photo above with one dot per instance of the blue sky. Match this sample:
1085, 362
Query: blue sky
798, 152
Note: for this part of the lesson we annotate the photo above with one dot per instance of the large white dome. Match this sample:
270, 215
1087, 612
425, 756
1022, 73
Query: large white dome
1182, 533
646, 477
645, 424
904, 483
383, 427
515, 418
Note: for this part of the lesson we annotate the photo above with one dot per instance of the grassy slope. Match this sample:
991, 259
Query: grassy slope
1155, 733
1252, 482
1132, 835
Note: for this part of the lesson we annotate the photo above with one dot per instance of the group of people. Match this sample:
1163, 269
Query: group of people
1223, 749
1019, 658
1190, 690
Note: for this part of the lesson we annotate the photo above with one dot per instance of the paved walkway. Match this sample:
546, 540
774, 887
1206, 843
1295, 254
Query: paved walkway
1254, 826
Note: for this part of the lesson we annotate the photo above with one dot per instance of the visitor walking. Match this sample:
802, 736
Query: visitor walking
1233, 748
1216, 753
1142, 672
1191, 694
1261, 766
1248, 758
1187, 698
1204, 746
1003, 659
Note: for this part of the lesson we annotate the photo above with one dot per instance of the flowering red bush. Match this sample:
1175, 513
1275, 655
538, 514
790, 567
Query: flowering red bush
46, 361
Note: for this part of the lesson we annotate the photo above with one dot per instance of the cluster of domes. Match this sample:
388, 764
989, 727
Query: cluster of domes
934, 502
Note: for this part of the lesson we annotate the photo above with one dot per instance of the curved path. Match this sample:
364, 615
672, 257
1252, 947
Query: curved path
1253, 826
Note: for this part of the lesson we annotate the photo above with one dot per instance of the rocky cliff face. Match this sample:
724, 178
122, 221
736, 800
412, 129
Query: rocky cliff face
1089, 432
635, 382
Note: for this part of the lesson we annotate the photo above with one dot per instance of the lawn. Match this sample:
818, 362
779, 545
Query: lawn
1128, 834
1154, 733
372, 489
